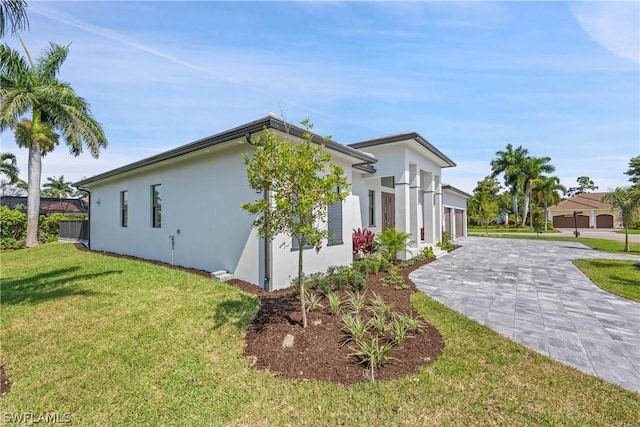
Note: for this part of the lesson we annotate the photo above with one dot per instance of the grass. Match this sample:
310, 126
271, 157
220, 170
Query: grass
620, 277
117, 342
631, 231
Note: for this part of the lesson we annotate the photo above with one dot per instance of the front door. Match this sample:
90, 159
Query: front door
388, 210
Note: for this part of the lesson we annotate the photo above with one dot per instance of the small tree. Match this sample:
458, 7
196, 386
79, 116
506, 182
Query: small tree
634, 171
299, 182
483, 209
627, 201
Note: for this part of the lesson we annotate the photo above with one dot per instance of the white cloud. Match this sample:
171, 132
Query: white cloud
614, 25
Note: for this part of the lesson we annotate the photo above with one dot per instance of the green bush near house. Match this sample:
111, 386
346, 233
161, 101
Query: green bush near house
14, 227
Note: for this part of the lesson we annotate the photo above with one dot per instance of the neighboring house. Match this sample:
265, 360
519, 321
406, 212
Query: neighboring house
184, 205
455, 210
590, 212
48, 205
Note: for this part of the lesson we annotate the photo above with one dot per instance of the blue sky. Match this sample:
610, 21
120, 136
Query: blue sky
560, 78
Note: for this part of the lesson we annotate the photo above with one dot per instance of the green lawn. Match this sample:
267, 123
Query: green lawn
619, 277
631, 231
121, 342
494, 229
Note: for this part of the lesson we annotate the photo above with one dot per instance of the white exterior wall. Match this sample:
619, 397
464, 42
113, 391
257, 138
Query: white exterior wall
202, 196
454, 200
418, 201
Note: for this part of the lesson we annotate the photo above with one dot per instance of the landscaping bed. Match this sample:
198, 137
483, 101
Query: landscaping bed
319, 352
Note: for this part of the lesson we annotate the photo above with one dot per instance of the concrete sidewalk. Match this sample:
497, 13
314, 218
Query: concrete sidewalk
529, 291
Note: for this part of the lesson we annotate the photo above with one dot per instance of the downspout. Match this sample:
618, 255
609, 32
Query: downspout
266, 283
267, 250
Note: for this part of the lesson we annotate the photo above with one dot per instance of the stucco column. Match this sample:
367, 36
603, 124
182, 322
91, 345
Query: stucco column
428, 195
438, 213
403, 210
414, 189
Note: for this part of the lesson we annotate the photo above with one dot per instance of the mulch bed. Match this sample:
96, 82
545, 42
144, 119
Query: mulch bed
318, 352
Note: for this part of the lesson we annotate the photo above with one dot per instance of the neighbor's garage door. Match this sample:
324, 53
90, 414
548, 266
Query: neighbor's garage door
604, 221
562, 221
459, 223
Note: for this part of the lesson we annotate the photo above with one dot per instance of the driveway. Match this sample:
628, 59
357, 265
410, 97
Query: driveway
529, 291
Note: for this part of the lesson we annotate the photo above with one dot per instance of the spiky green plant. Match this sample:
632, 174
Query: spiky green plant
372, 353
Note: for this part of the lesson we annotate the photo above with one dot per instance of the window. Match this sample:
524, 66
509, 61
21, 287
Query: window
334, 224
156, 205
372, 208
387, 181
124, 208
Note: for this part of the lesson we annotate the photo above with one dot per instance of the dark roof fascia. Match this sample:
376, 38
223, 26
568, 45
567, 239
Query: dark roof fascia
403, 137
246, 130
456, 190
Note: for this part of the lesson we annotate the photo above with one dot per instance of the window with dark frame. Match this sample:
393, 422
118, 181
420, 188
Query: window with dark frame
372, 208
156, 203
124, 208
334, 224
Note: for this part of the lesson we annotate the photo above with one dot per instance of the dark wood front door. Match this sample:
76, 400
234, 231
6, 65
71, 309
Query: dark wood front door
388, 210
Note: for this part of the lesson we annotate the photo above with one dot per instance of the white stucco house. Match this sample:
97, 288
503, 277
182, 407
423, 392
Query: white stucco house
183, 206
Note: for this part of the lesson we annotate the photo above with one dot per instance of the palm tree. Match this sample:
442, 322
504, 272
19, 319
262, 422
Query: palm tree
13, 12
58, 188
546, 191
532, 168
28, 87
509, 162
9, 167
627, 202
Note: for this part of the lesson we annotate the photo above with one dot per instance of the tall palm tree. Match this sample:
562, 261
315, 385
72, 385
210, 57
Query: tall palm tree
9, 167
546, 190
627, 202
58, 188
14, 13
509, 162
28, 87
532, 168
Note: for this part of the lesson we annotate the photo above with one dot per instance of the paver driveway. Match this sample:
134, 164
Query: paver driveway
530, 291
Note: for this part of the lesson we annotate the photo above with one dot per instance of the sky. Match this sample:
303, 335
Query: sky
562, 79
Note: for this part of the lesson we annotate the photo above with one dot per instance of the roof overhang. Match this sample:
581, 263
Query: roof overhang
445, 161
456, 190
363, 161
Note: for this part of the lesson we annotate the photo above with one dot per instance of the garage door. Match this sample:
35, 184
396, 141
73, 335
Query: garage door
562, 221
604, 221
447, 219
459, 222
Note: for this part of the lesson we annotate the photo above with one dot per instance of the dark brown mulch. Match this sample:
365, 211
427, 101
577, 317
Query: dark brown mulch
318, 352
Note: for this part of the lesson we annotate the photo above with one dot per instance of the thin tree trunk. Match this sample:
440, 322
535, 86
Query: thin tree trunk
626, 239
515, 208
526, 207
545, 215
301, 282
33, 194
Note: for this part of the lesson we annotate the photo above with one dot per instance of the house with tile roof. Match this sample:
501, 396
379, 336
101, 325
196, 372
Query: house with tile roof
589, 210
183, 206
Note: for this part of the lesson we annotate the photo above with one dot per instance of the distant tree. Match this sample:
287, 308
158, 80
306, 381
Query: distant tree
58, 188
627, 202
483, 209
299, 182
509, 162
9, 168
28, 87
546, 190
532, 168
13, 14
634, 170
585, 184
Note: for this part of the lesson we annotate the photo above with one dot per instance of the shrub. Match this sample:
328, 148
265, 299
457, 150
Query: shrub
356, 301
357, 280
335, 303
312, 301
392, 241
446, 244
363, 241
428, 253
14, 228
371, 353
398, 331
355, 327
